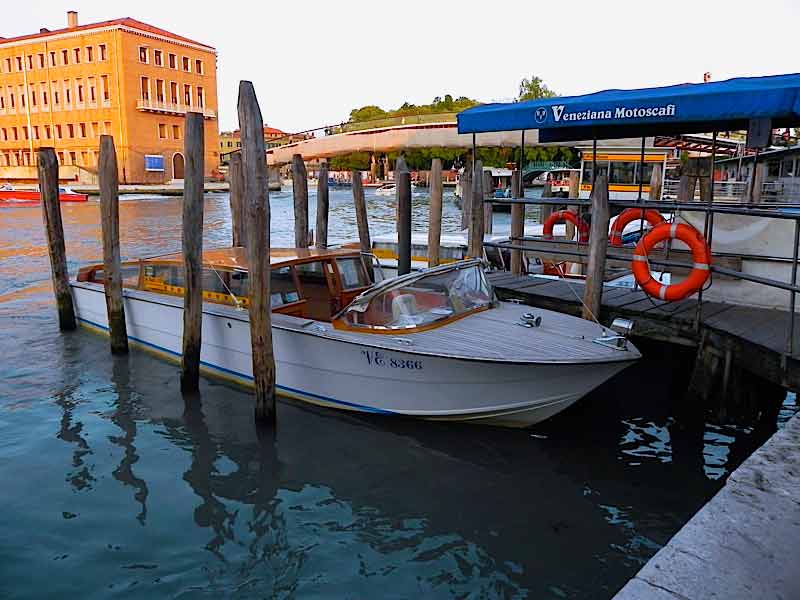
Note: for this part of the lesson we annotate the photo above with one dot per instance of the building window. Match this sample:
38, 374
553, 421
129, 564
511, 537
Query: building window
8, 65
56, 99
79, 87
187, 64
4, 133
176, 132
65, 57
61, 158
92, 90
35, 132
95, 129
25, 132
44, 96
19, 63
33, 97
11, 98
77, 53
102, 49
58, 137
70, 131
67, 91
2, 102
83, 129
162, 131
173, 61
153, 162
107, 127
30, 62
104, 85
187, 95
144, 54
14, 133
40, 56
173, 92
198, 67
160, 90
73, 158
52, 59
200, 97
158, 58
145, 88
47, 132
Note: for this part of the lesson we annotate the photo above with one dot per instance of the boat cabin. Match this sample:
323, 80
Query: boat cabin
306, 282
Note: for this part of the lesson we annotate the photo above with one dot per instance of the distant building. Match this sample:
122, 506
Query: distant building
136, 82
231, 141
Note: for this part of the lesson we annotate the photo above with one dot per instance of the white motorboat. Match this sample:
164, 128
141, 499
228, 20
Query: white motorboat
387, 189
434, 344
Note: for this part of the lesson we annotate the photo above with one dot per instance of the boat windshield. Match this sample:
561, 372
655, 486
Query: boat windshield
419, 299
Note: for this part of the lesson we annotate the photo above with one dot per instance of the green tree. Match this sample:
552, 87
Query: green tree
533, 88
366, 113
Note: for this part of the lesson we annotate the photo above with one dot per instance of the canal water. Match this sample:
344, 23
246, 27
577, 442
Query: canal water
111, 486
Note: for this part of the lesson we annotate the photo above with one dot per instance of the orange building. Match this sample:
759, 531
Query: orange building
66, 87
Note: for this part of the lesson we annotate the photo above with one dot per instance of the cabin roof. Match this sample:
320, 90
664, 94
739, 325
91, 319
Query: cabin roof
236, 258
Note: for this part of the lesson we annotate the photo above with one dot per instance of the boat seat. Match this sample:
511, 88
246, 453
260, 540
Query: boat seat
404, 311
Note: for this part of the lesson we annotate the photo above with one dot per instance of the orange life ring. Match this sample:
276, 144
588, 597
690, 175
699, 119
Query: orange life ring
631, 214
561, 216
701, 256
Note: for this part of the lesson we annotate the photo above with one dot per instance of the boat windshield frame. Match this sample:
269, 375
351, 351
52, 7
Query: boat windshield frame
361, 303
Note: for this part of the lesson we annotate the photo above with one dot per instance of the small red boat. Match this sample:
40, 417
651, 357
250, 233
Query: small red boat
12, 197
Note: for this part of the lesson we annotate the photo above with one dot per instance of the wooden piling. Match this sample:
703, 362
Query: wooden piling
300, 194
435, 214
466, 191
256, 184
517, 222
475, 199
237, 200
323, 207
656, 182
194, 147
686, 186
598, 244
757, 183
403, 188
108, 178
361, 218
488, 207
574, 193
54, 229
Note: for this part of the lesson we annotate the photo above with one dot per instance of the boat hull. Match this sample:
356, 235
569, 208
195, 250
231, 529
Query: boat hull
353, 376
32, 197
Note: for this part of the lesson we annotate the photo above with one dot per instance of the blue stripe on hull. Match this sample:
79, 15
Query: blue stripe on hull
248, 378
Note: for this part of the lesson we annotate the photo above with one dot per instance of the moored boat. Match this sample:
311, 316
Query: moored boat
435, 344
11, 197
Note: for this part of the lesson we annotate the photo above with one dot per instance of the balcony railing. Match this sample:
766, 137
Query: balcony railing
170, 108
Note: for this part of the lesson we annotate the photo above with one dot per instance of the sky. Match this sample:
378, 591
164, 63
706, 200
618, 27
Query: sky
312, 62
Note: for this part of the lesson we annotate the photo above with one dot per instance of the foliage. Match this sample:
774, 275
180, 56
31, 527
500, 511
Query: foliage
367, 113
347, 162
533, 88
438, 105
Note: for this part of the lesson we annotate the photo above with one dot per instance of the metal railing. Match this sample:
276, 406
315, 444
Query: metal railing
172, 108
783, 191
773, 211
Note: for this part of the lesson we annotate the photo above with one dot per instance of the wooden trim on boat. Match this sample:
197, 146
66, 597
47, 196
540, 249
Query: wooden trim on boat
339, 324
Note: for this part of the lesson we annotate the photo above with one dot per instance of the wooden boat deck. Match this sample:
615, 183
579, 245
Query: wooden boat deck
758, 333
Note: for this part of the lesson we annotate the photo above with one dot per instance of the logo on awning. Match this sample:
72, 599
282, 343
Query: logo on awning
540, 114
618, 112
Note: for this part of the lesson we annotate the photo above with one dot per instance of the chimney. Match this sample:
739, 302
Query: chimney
72, 19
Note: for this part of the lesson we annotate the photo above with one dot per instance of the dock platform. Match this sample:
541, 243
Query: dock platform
743, 543
755, 338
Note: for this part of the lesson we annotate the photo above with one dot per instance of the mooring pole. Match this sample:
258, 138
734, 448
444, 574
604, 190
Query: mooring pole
403, 187
237, 200
598, 244
466, 193
435, 214
488, 207
194, 146
793, 294
300, 195
361, 219
54, 229
108, 177
475, 234
256, 185
546, 209
517, 222
323, 207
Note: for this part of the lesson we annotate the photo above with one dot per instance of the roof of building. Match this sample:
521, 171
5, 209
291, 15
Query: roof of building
236, 258
121, 22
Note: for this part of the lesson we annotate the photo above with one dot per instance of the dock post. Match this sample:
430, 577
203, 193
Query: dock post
574, 193
54, 229
300, 195
475, 200
488, 207
256, 185
108, 178
655, 183
403, 186
598, 244
237, 200
517, 221
435, 214
546, 210
194, 146
361, 218
759, 177
466, 192
323, 207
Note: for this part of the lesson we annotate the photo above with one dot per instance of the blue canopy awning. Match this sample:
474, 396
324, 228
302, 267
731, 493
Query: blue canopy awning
686, 108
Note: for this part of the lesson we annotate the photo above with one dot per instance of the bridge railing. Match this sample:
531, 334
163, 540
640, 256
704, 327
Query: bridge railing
394, 122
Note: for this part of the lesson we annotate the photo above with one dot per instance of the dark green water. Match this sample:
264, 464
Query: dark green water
112, 486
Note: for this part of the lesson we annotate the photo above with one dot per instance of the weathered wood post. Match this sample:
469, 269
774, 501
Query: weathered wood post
574, 193
323, 207
517, 222
194, 147
686, 185
475, 199
361, 218
758, 182
300, 195
109, 217
466, 192
256, 184
403, 187
237, 200
488, 207
598, 244
656, 182
435, 214
51, 216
